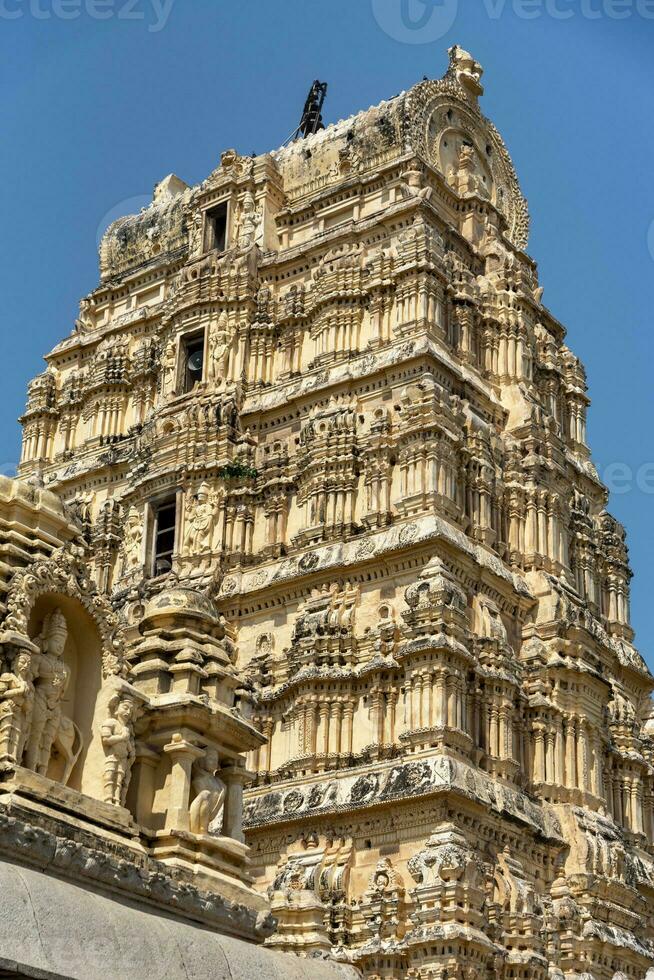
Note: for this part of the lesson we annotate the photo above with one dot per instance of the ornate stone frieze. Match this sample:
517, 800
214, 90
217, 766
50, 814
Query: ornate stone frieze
329, 552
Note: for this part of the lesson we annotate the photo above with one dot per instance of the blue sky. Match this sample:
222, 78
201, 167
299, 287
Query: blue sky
96, 111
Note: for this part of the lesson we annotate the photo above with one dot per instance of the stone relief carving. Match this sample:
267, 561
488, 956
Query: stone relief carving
479, 414
16, 702
64, 573
199, 521
51, 676
133, 540
488, 622
219, 350
206, 809
119, 746
249, 223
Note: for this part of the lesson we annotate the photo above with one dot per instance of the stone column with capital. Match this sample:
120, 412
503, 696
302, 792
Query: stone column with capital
142, 784
182, 756
235, 778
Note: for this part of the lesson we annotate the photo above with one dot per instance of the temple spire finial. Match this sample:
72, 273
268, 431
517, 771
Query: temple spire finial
466, 71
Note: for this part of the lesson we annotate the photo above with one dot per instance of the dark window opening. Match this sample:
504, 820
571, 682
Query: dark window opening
193, 363
165, 515
216, 228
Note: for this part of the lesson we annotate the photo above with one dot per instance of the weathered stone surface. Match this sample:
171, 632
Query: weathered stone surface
323, 547
57, 929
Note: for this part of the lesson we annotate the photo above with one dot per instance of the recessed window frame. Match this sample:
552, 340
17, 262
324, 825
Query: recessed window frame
164, 534
190, 343
216, 227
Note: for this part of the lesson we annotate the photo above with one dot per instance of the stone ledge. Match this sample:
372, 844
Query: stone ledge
23, 783
124, 870
358, 790
56, 930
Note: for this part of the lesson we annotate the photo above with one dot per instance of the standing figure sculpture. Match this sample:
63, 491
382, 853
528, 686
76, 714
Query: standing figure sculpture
55, 717
249, 228
16, 702
210, 794
199, 521
168, 362
118, 742
132, 540
218, 366
51, 676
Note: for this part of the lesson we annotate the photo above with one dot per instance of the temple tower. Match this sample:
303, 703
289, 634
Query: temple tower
326, 451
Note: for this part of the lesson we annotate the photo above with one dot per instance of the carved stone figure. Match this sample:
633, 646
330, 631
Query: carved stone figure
67, 746
210, 792
85, 320
133, 540
118, 742
219, 342
51, 676
489, 623
199, 521
168, 364
466, 70
249, 223
55, 695
396, 586
16, 701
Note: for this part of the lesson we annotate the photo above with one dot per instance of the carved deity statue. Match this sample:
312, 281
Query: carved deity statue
85, 321
249, 223
210, 794
55, 694
218, 365
168, 362
466, 70
199, 521
51, 677
132, 540
16, 702
467, 176
118, 741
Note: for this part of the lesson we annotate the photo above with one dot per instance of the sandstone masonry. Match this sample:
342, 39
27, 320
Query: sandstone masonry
311, 604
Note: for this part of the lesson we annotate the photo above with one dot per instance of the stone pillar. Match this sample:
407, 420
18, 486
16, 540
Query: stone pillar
425, 719
582, 756
392, 703
324, 728
493, 747
141, 787
559, 760
440, 700
235, 778
570, 754
348, 716
549, 756
617, 799
377, 713
336, 715
268, 729
182, 756
451, 702
637, 805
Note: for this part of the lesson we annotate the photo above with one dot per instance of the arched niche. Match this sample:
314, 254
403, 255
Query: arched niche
442, 112
461, 161
94, 655
77, 756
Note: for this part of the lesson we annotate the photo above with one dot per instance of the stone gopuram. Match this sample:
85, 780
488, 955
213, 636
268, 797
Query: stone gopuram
315, 624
